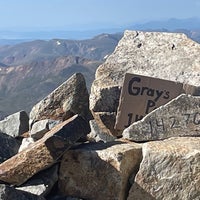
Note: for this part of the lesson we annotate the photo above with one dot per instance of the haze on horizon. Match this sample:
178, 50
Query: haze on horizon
26, 15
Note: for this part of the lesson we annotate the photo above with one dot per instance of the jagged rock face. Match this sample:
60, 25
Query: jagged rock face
103, 170
169, 170
43, 153
15, 124
179, 117
169, 56
68, 99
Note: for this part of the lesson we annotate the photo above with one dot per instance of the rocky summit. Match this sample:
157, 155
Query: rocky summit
67, 148
169, 56
169, 170
180, 117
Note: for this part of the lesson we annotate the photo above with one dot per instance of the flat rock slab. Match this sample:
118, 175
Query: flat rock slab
43, 153
68, 99
179, 117
169, 170
99, 170
15, 124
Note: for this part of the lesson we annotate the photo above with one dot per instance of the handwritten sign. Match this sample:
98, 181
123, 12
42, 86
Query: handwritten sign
140, 95
163, 126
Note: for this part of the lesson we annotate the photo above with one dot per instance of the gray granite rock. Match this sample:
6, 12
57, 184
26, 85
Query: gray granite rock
42, 183
170, 56
26, 142
41, 127
10, 193
99, 170
44, 152
8, 146
68, 99
97, 134
15, 124
169, 170
179, 117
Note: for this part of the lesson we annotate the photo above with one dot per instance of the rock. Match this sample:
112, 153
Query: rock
41, 127
170, 56
43, 153
26, 142
15, 124
51, 123
179, 117
10, 193
42, 183
68, 99
99, 170
8, 148
59, 197
97, 134
103, 111
169, 170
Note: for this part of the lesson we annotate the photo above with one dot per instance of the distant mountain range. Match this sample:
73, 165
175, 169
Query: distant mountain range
14, 37
170, 24
95, 49
30, 69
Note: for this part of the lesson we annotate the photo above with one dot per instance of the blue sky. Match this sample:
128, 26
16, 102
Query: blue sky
90, 14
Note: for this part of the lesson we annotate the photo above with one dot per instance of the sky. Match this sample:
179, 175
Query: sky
90, 14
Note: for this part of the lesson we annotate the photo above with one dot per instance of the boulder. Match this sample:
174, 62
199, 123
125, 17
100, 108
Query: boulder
169, 56
10, 193
41, 127
99, 170
15, 124
43, 153
169, 170
26, 142
97, 134
41, 183
68, 99
179, 117
104, 110
8, 148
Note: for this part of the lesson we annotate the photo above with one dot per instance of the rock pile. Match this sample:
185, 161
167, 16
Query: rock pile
62, 152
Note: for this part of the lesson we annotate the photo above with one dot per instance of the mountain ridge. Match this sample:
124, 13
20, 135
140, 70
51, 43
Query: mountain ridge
23, 85
85, 32
96, 49
30, 70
